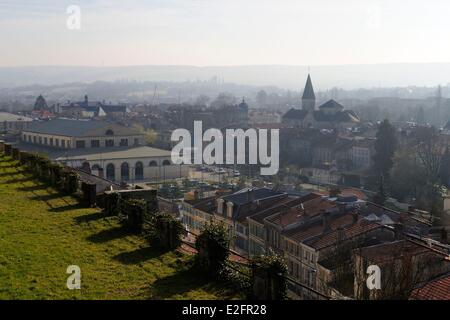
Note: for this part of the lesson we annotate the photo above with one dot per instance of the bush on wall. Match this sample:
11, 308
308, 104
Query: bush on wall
212, 245
165, 230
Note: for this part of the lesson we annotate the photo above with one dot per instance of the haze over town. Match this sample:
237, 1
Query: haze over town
225, 149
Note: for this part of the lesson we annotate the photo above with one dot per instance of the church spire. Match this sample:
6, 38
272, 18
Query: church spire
308, 98
308, 93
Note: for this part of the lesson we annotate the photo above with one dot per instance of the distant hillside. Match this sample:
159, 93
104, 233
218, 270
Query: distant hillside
292, 77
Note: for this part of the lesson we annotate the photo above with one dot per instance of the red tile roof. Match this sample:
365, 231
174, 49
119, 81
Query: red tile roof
392, 250
350, 231
438, 289
304, 232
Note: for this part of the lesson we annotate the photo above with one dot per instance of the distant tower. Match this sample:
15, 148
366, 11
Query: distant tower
308, 98
86, 99
438, 107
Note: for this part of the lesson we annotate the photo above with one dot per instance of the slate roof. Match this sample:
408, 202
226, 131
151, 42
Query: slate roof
76, 128
321, 116
331, 104
242, 196
250, 201
93, 154
308, 92
295, 114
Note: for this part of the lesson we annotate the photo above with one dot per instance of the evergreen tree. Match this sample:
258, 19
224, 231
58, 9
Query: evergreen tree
385, 147
381, 196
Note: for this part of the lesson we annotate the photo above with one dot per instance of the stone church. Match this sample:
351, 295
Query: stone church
330, 115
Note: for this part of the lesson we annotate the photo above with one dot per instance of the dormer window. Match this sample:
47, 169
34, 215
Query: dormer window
109, 132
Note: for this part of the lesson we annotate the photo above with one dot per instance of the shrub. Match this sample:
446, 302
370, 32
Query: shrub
56, 174
69, 181
165, 230
269, 277
133, 214
212, 245
112, 203
89, 193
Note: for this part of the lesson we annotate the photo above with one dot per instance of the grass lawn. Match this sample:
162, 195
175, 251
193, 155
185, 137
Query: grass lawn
42, 233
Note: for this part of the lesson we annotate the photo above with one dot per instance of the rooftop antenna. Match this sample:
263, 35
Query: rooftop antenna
154, 94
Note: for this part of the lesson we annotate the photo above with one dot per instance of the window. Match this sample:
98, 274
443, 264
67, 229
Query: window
166, 163
80, 144
29, 138
125, 172
139, 171
95, 143
45, 141
51, 142
153, 164
136, 141
109, 133
34, 139
57, 142
63, 143
40, 140
109, 143
241, 243
123, 142
110, 172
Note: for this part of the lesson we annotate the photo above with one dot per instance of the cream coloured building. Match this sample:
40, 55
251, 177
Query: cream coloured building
132, 165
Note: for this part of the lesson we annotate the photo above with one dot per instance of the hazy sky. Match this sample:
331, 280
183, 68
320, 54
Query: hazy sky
224, 32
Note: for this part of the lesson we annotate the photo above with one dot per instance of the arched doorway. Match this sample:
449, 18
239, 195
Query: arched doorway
125, 172
110, 172
139, 171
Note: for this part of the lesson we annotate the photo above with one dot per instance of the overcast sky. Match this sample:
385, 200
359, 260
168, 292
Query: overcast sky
224, 32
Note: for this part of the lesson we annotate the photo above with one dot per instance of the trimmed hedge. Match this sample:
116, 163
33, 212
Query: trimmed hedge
69, 181
213, 248
112, 203
165, 231
133, 214
89, 191
269, 274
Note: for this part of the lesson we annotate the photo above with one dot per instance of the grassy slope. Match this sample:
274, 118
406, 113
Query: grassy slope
41, 233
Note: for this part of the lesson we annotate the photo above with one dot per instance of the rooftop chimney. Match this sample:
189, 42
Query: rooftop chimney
326, 221
398, 230
250, 195
355, 217
220, 206
444, 235
230, 209
341, 234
